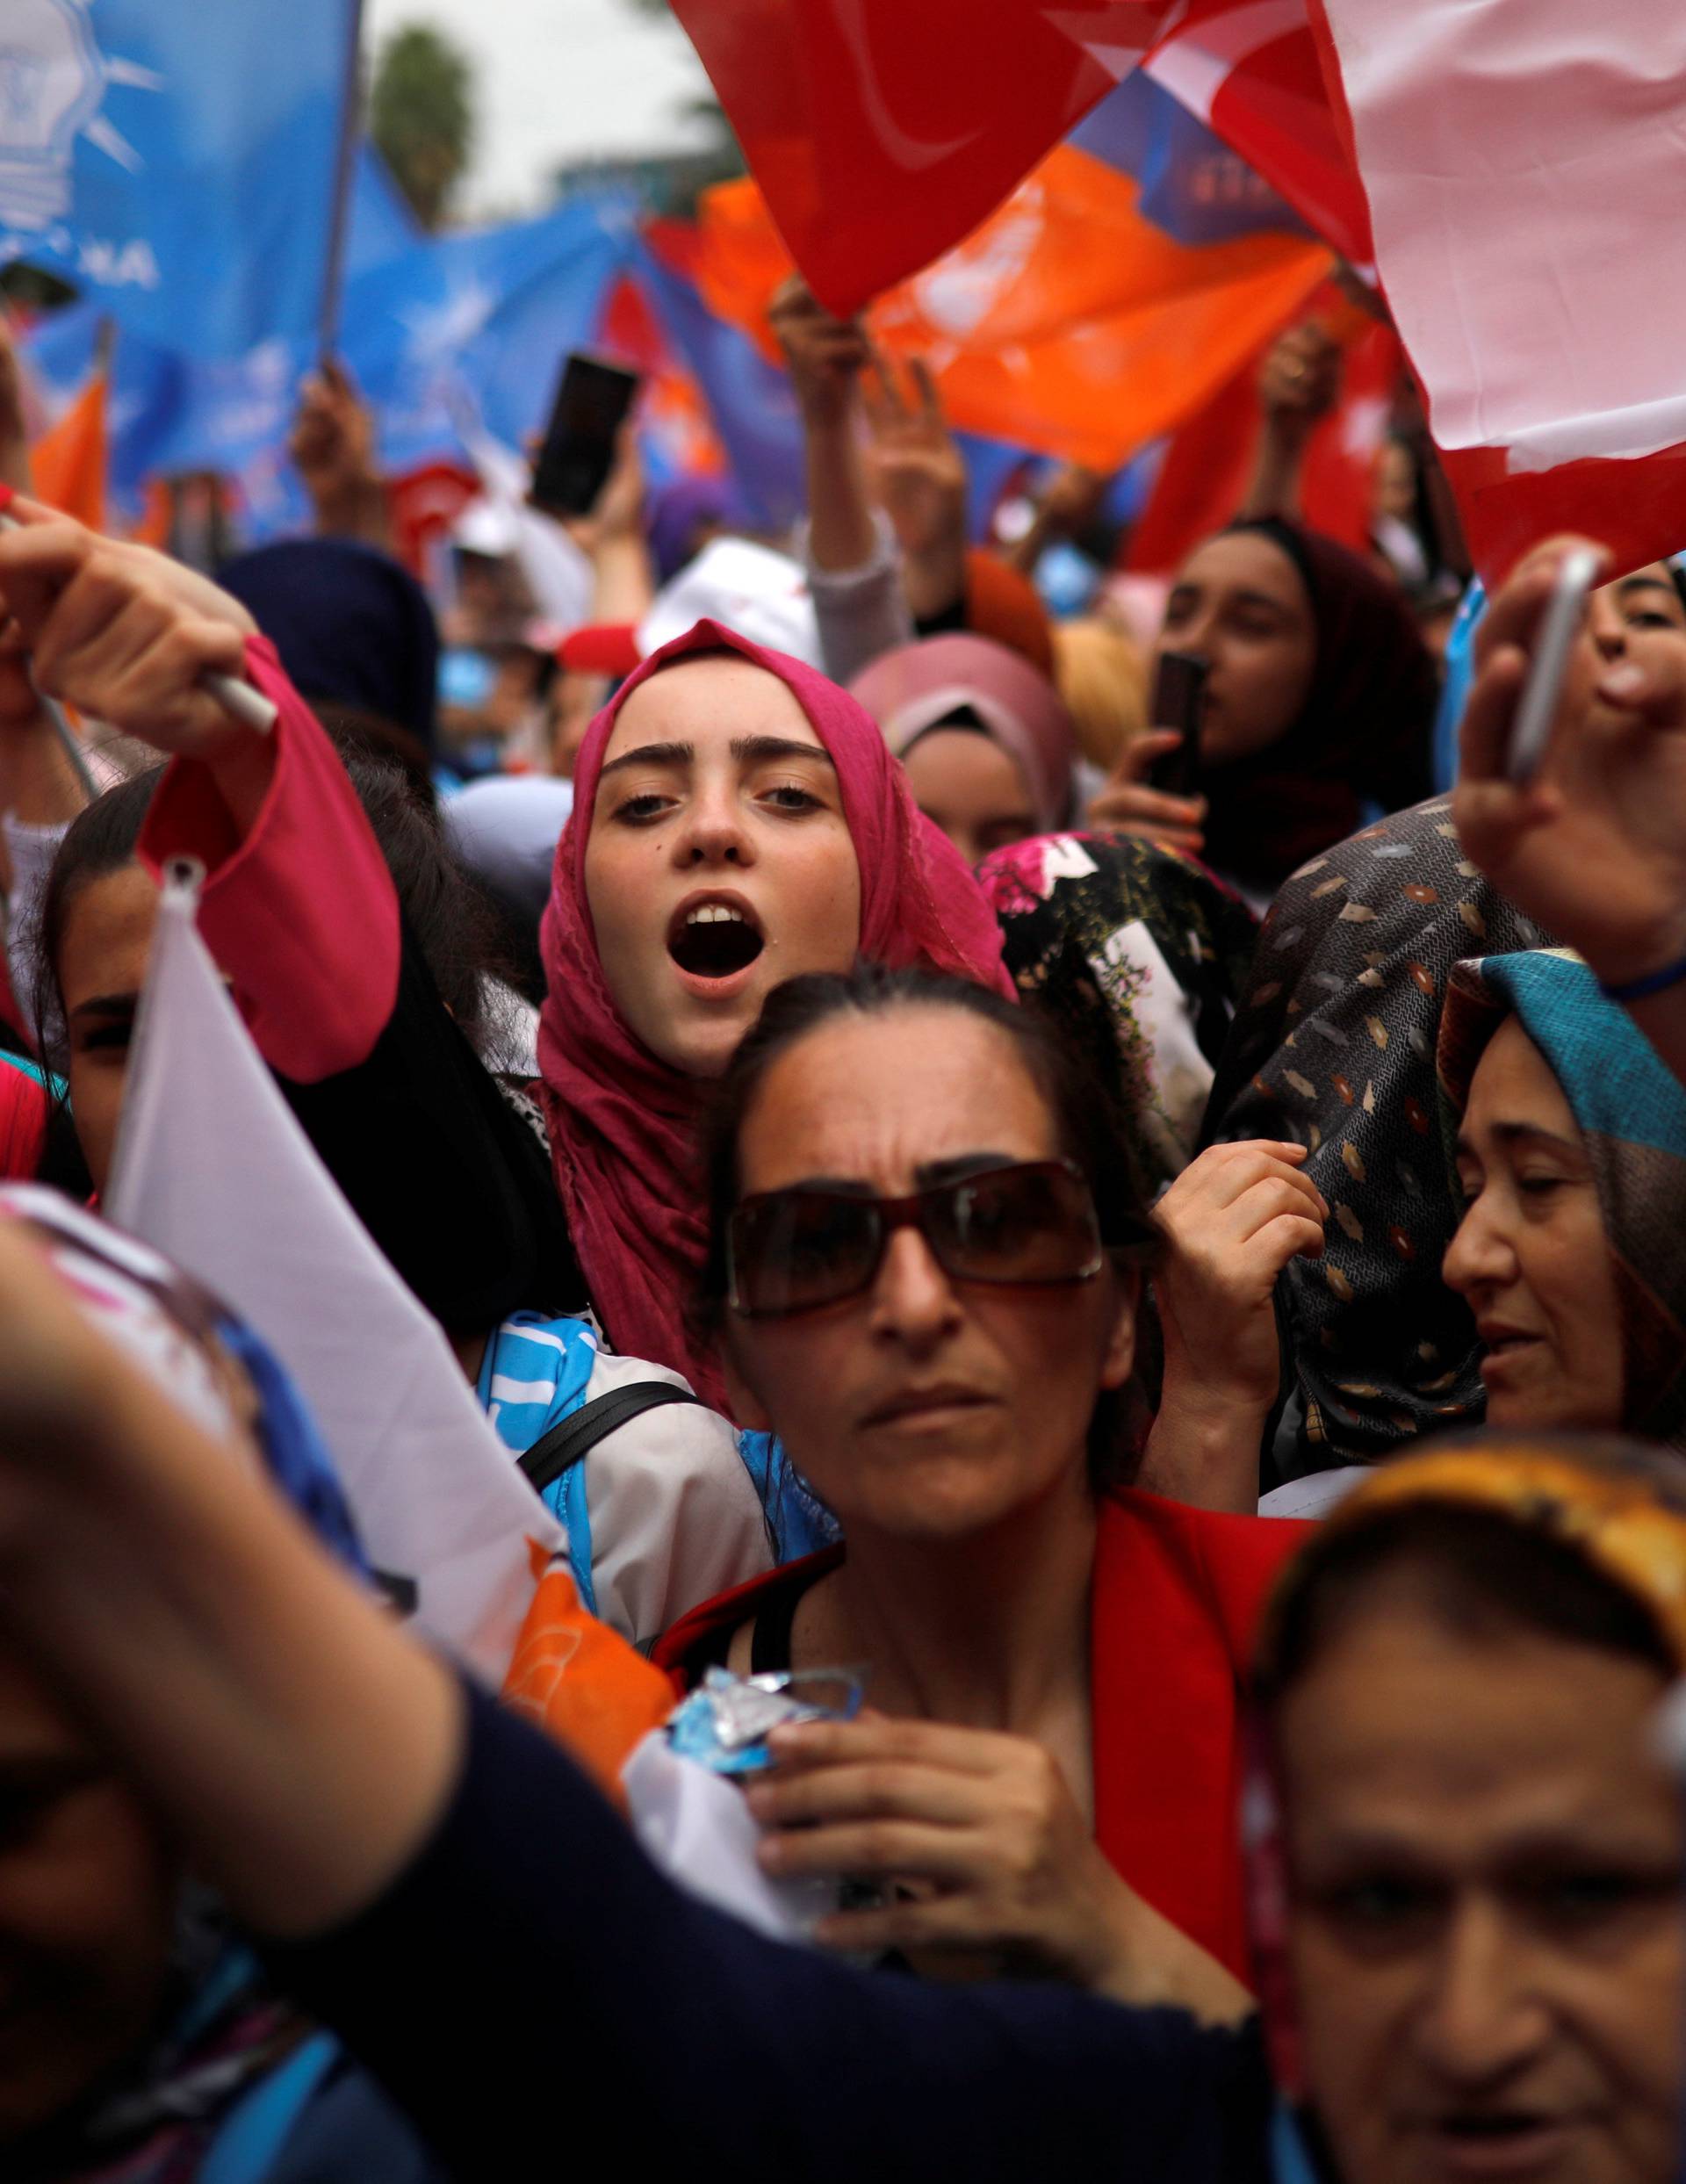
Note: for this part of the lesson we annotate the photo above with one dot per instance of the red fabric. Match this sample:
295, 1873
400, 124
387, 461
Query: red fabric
1202, 478
1208, 464
1176, 1601
876, 149
1002, 603
1633, 507
301, 914
23, 1122
601, 648
623, 1123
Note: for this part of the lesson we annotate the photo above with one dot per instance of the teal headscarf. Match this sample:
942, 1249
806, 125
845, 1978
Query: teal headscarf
1631, 1112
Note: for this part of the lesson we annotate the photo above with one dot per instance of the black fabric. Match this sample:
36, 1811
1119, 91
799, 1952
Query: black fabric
447, 1179
531, 1948
770, 1642
572, 1439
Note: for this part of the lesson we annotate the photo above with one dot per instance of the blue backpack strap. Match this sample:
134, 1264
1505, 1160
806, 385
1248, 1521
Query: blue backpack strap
250, 2140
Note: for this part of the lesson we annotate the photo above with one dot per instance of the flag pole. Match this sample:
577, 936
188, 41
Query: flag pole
328, 320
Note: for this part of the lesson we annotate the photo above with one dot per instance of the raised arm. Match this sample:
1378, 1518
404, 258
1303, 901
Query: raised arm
443, 1887
1593, 848
298, 907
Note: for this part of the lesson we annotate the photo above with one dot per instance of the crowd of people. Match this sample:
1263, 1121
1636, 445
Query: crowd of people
1176, 1294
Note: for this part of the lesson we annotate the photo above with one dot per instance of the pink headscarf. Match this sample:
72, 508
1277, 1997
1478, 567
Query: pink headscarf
621, 1123
909, 689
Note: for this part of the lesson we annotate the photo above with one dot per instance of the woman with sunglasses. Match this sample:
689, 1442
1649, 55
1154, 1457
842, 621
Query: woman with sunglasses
922, 1277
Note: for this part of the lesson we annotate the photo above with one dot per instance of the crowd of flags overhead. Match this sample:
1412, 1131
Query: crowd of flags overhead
1092, 229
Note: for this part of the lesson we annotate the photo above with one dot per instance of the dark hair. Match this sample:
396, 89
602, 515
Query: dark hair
1479, 1570
453, 925
1085, 1130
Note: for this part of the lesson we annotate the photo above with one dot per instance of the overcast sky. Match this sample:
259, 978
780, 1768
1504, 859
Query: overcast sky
557, 80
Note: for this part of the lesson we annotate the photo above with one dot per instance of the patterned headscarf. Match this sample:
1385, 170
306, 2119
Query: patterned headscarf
1334, 1046
1139, 952
1632, 1113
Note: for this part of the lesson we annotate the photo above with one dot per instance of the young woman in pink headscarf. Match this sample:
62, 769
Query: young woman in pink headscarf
729, 805
738, 820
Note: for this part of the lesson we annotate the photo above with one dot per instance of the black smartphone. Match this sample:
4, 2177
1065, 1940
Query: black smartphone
1178, 689
592, 400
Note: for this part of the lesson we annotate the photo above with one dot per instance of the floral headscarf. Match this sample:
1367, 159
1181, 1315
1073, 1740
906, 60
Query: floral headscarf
1139, 952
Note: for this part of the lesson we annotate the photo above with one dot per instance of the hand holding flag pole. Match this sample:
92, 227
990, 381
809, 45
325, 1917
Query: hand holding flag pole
237, 699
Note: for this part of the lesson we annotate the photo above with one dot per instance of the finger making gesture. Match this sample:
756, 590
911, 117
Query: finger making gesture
917, 474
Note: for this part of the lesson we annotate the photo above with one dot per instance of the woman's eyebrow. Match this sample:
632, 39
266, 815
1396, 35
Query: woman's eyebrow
1520, 1132
106, 1004
745, 747
651, 754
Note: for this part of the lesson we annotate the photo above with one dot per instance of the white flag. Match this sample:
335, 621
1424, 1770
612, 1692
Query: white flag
213, 1171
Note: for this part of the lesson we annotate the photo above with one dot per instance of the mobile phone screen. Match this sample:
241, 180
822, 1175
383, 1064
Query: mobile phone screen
592, 401
1178, 689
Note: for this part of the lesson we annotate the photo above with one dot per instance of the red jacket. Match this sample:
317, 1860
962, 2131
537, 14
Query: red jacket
1175, 1604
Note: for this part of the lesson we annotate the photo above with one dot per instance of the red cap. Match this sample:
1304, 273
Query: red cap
601, 648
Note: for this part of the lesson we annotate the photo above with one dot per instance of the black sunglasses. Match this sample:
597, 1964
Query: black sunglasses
796, 1249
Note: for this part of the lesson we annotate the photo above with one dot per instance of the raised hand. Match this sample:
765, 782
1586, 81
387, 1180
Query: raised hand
1231, 1221
1127, 805
123, 633
825, 356
332, 447
1300, 379
1593, 848
914, 465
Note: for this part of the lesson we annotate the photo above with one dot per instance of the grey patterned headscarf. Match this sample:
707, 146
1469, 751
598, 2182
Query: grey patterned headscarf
1333, 1046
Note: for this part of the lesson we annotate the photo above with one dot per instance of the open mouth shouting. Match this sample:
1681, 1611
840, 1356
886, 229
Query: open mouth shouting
715, 939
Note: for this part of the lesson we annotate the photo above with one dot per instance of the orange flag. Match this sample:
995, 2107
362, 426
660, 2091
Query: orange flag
68, 463
1067, 322
581, 1682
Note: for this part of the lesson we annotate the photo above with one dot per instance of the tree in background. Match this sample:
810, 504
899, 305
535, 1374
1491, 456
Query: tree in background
422, 115
667, 182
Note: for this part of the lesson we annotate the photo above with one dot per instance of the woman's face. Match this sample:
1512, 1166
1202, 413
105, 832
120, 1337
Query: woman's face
1240, 603
1531, 1255
719, 863
972, 789
87, 1912
1484, 1858
924, 1408
1641, 618
102, 966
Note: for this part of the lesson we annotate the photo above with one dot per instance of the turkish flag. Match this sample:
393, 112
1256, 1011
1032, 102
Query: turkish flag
1523, 167
882, 131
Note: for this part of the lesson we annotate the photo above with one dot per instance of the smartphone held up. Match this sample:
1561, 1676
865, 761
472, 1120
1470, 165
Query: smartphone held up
1178, 694
1565, 612
592, 398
